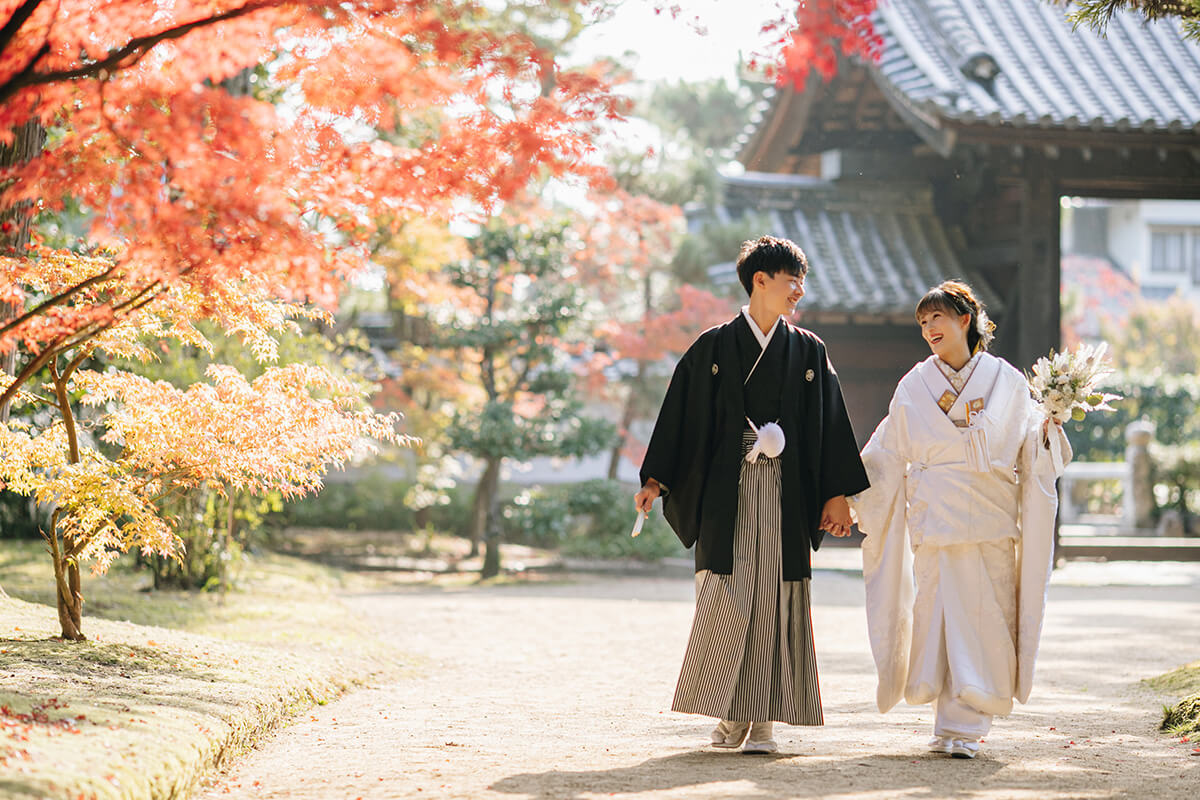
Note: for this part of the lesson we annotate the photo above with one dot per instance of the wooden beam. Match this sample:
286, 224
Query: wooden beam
1070, 139
1111, 172
898, 145
880, 165
1038, 310
988, 256
785, 122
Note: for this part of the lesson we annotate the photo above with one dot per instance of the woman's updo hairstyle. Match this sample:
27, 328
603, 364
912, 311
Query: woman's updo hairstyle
957, 298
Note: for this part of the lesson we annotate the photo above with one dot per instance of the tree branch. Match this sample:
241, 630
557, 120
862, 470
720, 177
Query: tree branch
136, 47
53, 301
30, 369
120, 311
19, 18
64, 408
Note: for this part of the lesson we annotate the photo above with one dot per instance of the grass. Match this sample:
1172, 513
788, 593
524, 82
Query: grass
1183, 718
169, 685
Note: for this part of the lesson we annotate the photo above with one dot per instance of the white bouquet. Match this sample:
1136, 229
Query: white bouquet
1067, 385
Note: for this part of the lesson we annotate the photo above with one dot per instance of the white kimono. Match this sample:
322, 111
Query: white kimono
962, 503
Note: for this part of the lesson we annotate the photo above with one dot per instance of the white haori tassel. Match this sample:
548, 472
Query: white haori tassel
978, 458
769, 441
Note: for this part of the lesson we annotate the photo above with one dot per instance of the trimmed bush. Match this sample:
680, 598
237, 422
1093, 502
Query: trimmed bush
591, 519
371, 502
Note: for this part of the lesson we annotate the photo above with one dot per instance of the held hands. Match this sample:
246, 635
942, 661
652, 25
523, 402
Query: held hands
644, 499
835, 516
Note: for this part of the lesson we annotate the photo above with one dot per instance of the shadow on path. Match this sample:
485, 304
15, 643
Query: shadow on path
779, 776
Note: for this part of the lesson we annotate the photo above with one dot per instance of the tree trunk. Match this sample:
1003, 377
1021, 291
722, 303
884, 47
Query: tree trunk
635, 386
491, 554
66, 581
15, 223
627, 417
66, 568
230, 519
482, 502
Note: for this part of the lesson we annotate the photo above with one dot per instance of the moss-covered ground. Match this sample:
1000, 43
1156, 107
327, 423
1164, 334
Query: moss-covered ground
169, 684
1182, 718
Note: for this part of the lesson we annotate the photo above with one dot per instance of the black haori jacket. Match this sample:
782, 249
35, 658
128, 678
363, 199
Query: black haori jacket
696, 448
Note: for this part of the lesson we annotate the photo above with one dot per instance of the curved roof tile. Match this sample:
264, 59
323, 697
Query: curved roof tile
1142, 76
873, 248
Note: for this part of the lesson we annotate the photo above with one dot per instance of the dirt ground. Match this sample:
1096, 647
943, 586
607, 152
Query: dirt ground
562, 690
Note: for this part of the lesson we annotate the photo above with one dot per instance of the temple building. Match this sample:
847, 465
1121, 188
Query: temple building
950, 156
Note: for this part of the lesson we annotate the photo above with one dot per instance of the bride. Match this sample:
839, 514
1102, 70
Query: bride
960, 527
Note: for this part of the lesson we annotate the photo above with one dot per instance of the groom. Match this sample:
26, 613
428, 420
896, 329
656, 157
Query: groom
754, 512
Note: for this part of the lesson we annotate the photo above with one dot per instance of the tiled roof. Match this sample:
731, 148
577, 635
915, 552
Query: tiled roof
872, 248
1022, 62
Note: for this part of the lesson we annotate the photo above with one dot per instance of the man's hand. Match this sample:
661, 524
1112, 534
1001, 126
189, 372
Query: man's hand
644, 499
835, 517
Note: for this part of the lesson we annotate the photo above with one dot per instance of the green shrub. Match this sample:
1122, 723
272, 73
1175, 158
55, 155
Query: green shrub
591, 519
598, 517
536, 517
1177, 470
1170, 402
18, 518
454, 517
370, 502
216, 530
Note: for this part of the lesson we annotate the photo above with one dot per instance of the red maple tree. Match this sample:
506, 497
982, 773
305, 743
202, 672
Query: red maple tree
817, 36
235, 158
628, 245
201, 184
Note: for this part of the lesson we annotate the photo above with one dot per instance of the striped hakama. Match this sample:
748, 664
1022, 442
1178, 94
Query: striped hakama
750, 657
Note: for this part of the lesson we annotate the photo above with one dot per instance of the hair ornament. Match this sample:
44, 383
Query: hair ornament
986, 330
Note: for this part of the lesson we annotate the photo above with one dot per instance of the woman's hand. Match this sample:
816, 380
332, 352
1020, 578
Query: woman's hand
644, 499
835, 517
1046, 430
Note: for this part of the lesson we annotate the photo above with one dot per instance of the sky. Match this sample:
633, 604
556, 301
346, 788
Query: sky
672, 49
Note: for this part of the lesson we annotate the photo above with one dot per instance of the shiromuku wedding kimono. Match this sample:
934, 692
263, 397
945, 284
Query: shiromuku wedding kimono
753, 517
962, 502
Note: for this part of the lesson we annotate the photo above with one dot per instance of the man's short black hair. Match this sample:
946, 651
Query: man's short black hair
772, 255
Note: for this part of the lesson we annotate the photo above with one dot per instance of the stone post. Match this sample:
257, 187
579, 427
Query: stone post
1138, 506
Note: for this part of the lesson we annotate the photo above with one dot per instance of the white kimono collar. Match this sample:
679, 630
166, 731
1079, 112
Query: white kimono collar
958, 378
764, 339
979, 385
970, 404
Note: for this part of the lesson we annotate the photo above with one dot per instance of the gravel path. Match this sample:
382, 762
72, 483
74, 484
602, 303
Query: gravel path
562, 691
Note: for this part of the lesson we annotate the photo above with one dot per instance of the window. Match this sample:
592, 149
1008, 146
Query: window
1168, 250
1196, 260
1175, 251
